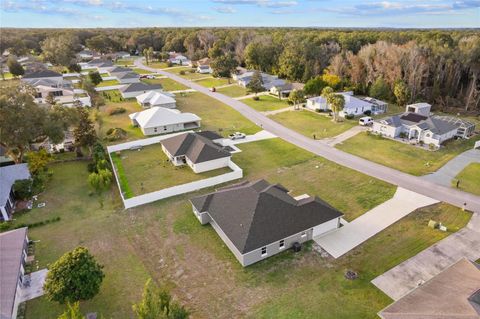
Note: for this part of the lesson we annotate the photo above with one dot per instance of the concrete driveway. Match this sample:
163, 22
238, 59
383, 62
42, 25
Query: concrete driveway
401, 279
344, 239
390, 175
37, 280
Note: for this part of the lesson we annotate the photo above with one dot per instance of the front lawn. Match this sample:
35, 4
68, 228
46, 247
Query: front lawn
469, 179
167, 84
266, 103
212, 82
149, 169
189, 73
309, 123
233, 90
125, 62
404, 157
108, 83
141, 71
158, 65
214, 114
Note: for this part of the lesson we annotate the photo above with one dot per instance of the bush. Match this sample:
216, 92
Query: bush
182, 72
367, 112
256, 98
23, 189
349, 116
117, 110
403, 135
115, 134
431, 146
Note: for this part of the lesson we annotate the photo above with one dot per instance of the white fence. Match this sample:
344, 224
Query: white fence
108, 88
236, 173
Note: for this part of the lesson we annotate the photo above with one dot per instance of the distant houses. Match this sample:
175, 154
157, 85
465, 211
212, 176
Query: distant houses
160, 120
243, 77
257, 220
8, 176
354, 106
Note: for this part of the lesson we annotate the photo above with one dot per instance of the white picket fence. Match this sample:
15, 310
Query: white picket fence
236, 173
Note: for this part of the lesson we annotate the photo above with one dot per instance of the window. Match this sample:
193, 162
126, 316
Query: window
304, 234
155, 130
164, 128
264, 251
282, 244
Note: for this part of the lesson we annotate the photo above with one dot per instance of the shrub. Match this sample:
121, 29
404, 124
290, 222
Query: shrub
117, 110
349, 116
403, 135
367, 112
182, 72
23, 189
432, 146
256, 98
115, 134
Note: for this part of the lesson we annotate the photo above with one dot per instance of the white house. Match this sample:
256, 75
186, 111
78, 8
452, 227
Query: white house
196, 150
257, 220
63, 96
8, 176
204, 69
284, 90
353, 105
85, 55
177, 58
160, 120
268, 80
155, 98
135, 89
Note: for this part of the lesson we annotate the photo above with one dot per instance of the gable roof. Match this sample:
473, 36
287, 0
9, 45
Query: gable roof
160, 116
42, 74
127, 75
155, 98
436, 125
8, 176
453, 293
120, 69
11, 250
255, 214
194, 146
140, 86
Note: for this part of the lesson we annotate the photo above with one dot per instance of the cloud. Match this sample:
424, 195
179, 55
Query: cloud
225, 9
260, 3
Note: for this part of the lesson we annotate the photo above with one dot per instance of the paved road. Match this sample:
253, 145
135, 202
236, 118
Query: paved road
407, 181
401, 279
342, 240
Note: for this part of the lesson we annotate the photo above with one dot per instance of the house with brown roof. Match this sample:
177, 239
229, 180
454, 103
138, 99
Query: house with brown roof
257, 220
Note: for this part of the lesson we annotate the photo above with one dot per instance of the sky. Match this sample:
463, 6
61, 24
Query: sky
236, 13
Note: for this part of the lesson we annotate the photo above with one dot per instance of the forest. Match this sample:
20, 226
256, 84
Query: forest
441, 67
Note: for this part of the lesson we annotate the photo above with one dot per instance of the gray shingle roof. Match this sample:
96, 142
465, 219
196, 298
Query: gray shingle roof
8, 176
11, 249
255, 214
119, 69
127, 75
194, 146
41, 74
140, 87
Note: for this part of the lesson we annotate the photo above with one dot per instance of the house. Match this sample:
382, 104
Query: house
13, 257
160, 120
8, 176
355, 106
257, 220
121, 55
63, 96
204, 61
128, 77
177, 58
204, 69
416, 125
101, 65
85, 55
155, 98
378, 106
135, 89
268, 80
197, 150
282, 91
118, 69
42, 75
454, 293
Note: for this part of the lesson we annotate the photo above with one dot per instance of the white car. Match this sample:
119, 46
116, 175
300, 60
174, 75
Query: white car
365, 121
237, 136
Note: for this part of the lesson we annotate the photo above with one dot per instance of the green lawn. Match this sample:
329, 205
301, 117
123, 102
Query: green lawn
120, 120
167, 84
125, 62
404, 157
309, 123
266, 103
212, 82
7, 75
165, 241
190, 73
214, 114
233, 91
141, 71
108, 83
149, 169
158, 65
469, 179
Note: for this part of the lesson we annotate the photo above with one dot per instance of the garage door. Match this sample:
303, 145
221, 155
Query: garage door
325, 227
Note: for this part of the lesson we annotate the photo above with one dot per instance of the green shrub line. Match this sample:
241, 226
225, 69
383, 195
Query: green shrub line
7, 225
125, 188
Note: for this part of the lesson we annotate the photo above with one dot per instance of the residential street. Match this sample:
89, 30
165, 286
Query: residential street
410, 182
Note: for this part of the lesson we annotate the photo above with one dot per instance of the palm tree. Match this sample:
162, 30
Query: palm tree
337, 102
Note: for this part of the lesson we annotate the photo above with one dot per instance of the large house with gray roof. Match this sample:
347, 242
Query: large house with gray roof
257, 220
8, 176
197, 150
133, 90
419, 126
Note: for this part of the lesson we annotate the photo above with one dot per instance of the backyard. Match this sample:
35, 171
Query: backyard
233, 90
166, 83
149, 169
108, 83
120, 120
404, 157
266, 103
141, 71
311, 123
469, 179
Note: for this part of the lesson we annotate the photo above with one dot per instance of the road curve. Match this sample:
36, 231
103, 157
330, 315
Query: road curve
387, 174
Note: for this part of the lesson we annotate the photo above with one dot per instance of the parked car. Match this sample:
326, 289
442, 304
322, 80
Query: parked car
365, 121
213, 89
147, 76
237, 136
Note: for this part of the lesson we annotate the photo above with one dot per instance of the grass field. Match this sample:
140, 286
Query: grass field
158, 65
266, 103
141, 71
167, 84
469, 179
233, 91
309, 123
124, 62
212, 82
120, 120
165, 241
7, 75
214, 114
148, 170
404, 157
190, 73
108, 83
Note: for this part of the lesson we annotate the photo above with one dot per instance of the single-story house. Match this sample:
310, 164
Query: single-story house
204, 61
178, 58
99, 64
197, 150
85, 55
420, 128
204, 69
155, 98
378, 106
63, 96
41, 75
268, 80
8, 176
353, 105
121, 55
160, 120
128, 77
284, 90
135, 89
454, 294
257, 220
13, 256
118, 69
53, 83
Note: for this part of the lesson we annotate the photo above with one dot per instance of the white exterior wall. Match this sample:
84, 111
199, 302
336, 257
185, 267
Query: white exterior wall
356, 111
326, 227
312, 105
130, 95
209, 165
3, 211
386, 130
164, 129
